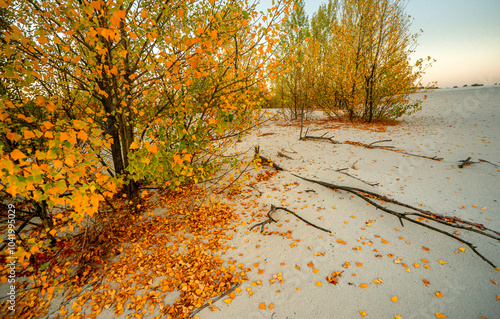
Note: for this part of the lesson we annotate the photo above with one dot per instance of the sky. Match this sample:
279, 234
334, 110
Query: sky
462, 35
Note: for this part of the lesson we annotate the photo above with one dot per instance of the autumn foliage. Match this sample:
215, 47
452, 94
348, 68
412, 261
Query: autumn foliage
352, 60
101, 99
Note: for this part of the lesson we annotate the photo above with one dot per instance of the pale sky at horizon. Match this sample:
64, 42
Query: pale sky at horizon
462, 35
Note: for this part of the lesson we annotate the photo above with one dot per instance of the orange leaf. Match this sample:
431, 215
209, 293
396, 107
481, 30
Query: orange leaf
315, 270
260, 271
310, 264
29, 134
17, 155
262, 306
318, 283
271, 306
425, 248
227, 300
462, 249
363, 285
496, 283
362, 313
440, 315
397, 317
384, 241
439, 294
426, 282
394, 299
442, 262
359, 264
297, 267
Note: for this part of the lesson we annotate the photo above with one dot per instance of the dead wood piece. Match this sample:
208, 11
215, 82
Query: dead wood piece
485, 161
271, 219
366, 195
266, 134
465, 162
284, 155
265, 160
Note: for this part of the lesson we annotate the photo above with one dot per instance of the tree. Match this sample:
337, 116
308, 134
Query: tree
103, 97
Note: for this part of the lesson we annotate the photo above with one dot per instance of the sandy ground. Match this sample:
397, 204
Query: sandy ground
454, 124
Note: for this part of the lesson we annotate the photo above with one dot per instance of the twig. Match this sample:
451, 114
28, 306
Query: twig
359, 179
270, 219
284, 155
206, 304
381, 141
465, 162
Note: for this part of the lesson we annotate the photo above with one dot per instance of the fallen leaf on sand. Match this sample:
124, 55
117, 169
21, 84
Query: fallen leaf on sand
440, 315
318, 283
496, 283
363, 285
442, 262
426, 282
397, 317
359, 264
262, 306
394, 299
462, 249
362, 313
310, 264
439, 294
384, 241
271, 306
425, 248
227, 300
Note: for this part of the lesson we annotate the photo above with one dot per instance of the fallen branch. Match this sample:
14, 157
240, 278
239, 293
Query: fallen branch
271, 219
265, 160
434, 217
370, 146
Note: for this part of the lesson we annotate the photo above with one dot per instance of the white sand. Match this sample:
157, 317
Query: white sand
453, 124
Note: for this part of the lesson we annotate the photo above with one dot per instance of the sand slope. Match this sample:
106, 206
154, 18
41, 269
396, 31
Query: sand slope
453, 124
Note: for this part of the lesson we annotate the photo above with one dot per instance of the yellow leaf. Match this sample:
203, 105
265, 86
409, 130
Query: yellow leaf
34, 249
397, 317
318, 283
315, 270
133, 146
462, 249
17, 155
439, 294
440, 315
227, 300
363, 285
442, 262
262, 306
362, 313
394, 299
384, 241
213, 308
